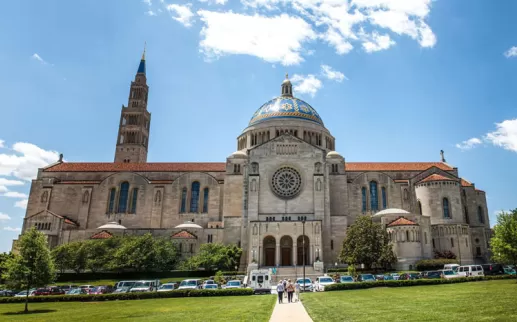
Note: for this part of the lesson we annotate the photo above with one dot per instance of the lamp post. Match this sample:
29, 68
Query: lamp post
303, 252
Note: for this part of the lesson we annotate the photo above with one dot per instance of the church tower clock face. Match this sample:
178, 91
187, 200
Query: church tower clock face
286, 182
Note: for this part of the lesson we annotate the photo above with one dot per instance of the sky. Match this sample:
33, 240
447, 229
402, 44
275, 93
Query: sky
393, 80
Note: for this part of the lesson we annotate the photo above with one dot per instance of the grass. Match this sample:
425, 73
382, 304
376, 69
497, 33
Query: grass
213, 309
476, 301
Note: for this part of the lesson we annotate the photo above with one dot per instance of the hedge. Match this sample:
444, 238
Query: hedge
129, 296
402, 283
90, 276
433, 264
233, 273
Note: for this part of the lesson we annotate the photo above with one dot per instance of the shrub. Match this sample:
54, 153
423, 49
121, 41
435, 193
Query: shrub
233, 273
403, 283
130, 296
433, 264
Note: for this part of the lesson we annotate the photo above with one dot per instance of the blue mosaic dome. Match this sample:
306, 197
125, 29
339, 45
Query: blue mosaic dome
285, 107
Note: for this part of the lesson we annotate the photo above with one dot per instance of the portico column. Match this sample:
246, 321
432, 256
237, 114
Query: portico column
295, 253
277, 254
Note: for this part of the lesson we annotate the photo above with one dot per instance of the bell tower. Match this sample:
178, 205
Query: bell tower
135, 121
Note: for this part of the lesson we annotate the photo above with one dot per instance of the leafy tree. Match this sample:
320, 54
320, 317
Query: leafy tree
214, 256
32, 265
504, 241
135, 253
219, 278
166, 254
70, 256
367, 243
3, 259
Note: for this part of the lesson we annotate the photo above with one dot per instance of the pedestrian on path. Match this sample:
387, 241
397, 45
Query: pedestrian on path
280, 291
297, 291
290, 291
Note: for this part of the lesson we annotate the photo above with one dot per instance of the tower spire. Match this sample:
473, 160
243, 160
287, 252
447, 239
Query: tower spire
141, 66
287, 87
143, 54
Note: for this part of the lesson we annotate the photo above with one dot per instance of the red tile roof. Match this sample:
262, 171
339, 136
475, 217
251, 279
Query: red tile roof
465, 183
184, 234
401, 181
402, 222
137, 167
395, 166
102, 235
435, 177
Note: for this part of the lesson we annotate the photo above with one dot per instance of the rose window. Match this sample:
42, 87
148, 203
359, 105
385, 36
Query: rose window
286, 182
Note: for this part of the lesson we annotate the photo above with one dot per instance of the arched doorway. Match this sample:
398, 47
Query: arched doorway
300, 243
269, 246
286, 251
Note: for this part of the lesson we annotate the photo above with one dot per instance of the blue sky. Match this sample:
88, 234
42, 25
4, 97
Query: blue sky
392, 80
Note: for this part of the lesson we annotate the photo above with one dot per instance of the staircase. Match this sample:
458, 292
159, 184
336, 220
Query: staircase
292, 272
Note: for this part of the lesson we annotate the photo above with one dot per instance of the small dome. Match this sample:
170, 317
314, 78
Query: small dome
391, 211
189, 224
111, 225
334, 154
285, 107
239, 154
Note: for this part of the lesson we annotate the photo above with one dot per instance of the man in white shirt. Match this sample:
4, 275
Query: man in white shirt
280, 291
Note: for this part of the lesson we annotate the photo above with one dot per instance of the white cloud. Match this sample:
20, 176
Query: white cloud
8, 228
14, 194
181, 13
221, 2
21, 203
4, 217
505, 135
468, 144
150, 13
332, 74
25, 160
4, 183
306, 84
148, 2
512, 52
2, 143
377, 42
273, 39
38, 58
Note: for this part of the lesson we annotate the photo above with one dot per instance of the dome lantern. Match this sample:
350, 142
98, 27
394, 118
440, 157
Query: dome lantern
287, 87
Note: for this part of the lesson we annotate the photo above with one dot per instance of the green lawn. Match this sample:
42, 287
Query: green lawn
231, 308
474, 301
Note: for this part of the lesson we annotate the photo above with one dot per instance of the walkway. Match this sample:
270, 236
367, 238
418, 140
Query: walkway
289, 312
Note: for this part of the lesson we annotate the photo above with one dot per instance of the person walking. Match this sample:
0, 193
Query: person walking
280, 290
297, 291
290, 291
284, 282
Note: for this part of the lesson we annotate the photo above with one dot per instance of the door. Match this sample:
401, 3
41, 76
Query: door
270, 257
286, 256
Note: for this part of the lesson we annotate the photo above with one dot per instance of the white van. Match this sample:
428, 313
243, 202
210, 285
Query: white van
259, 280
470, 271
453, 267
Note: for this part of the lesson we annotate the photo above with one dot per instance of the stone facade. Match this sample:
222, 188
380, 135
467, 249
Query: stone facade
284, 182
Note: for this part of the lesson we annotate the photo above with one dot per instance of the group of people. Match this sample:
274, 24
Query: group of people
286, 288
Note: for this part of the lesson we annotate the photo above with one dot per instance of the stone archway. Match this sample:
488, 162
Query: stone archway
286, 251
269, 247
301, 252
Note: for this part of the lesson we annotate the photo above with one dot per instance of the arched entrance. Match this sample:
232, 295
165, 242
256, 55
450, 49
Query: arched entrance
301, 252
269, 246
286, 251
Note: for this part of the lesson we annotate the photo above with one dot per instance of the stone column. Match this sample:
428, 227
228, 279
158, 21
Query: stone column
295, 253
277, 255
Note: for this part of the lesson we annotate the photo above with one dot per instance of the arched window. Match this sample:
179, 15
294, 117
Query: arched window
481, 215
205, 200
134, 197
419, 207
407, 235
183, 207
194, 197
111, 200
384, 200
363, 193
86, 196
374, 199
122, 197
446, 211
452, 242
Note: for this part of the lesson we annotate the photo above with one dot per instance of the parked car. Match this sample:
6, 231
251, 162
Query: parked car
190, 284
125, 284
144, 286
305, 285
67, 288
388, 277
167, 287
210, 287
322, 282
509, 270
449, 273
470, 271
77, 291
395, 276
346, 279
124, 289
493, 269
6, 293
366, 278
207, 282
233, 284
24, 293
453, 267
433, 274
409, 276
379, 277
49, 291
102, 289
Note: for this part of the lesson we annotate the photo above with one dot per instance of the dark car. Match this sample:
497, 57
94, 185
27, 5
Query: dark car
6, 293
493, 269
409, 276
104, 289
49, 291
433, 274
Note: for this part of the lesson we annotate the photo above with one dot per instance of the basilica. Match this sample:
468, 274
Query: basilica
285, 196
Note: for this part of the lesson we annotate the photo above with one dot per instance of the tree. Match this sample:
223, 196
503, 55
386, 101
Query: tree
32, 265
135, 253
367, 243
3, 259
214, 256
504, 241
70, 256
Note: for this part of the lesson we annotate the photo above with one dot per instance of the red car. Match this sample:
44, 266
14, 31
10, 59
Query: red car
49, 291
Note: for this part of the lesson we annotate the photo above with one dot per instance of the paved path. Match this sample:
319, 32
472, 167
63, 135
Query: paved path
294, 312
